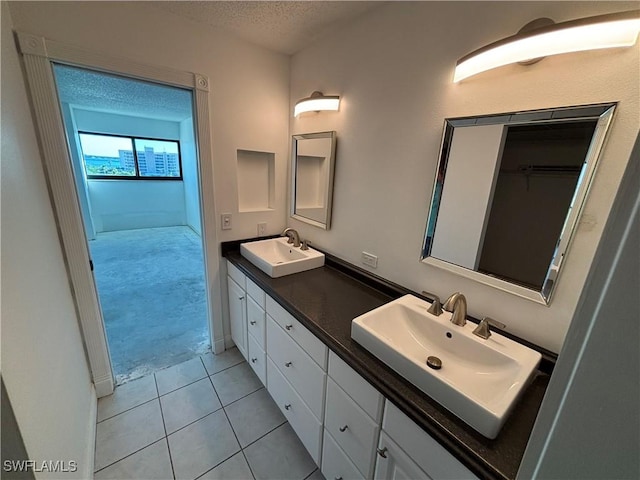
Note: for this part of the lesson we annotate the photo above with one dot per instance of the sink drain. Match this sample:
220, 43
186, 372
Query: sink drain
434, 362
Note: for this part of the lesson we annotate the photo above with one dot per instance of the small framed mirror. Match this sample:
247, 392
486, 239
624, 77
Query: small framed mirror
313, 157
508, 193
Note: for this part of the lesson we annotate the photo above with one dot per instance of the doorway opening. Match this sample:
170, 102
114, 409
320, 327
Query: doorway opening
134, 157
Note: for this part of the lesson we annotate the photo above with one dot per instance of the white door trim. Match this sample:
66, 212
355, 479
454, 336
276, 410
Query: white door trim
38, 54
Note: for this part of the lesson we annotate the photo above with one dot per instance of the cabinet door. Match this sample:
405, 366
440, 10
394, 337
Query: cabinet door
238, 316
393, 464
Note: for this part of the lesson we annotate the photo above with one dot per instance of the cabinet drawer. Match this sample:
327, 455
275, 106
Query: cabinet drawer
257, 359
235, 273
256, 321
302, 420
351, 428
297, 367
307, 340
367, 397
418, 444
255, 292
335, 463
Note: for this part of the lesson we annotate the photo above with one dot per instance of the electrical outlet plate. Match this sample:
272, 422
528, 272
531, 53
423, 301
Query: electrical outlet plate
225, 220
370, 260
262, 229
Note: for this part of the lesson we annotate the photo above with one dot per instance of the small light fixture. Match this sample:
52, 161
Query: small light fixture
539, 39
317, 102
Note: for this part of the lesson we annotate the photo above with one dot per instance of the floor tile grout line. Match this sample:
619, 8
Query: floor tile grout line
262, 436
194, 421
234, 431
129, 455
240, 398
314, 471
164, 426
191, 383
225, 368
128, 409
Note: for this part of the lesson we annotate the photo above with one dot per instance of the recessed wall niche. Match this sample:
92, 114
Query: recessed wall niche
256, 180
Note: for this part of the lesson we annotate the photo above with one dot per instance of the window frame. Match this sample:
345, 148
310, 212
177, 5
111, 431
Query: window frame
137, 175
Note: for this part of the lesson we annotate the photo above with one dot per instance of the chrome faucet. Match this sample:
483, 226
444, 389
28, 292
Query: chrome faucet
293, 236
457, 304
483, 331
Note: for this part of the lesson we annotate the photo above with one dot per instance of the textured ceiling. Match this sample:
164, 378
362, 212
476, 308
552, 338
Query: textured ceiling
285, 27
104, 92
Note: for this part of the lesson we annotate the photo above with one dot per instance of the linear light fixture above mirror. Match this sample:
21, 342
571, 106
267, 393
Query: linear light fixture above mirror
591, 33
317, 102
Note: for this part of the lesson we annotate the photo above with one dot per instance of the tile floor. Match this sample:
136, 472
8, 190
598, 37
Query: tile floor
207, 418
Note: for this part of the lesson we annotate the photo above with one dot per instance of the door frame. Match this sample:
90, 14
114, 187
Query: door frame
38, 54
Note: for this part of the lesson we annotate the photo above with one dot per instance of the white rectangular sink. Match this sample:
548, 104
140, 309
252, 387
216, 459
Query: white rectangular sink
479, 380
277, 258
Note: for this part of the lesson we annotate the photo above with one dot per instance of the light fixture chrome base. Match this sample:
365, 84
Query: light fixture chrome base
529, 27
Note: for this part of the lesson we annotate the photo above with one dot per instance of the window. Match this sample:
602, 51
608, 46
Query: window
130, 158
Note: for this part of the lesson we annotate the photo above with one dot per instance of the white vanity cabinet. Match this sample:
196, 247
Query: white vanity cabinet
296, 375
236, 282
346, 425
407, 451
353, 413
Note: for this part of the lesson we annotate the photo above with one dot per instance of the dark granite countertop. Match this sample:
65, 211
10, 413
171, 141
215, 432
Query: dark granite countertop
326, 299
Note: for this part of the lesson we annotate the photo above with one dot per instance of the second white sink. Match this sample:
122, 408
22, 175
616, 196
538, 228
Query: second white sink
479, 380
277, 258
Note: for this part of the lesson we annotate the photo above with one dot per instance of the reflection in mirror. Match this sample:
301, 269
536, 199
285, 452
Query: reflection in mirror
312, 166
508, 193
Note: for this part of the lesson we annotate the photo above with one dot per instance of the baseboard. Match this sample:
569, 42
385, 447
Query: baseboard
90, 454
219, 346
228, 342
104, 386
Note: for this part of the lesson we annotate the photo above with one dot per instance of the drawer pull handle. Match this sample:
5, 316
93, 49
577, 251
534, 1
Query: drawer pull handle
241, 298
287, 406
288, 327
288, 364
252, 322
344, 429
382, 452
254, 360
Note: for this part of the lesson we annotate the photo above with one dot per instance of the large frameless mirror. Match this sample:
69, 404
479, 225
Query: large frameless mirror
312, 164
508, 193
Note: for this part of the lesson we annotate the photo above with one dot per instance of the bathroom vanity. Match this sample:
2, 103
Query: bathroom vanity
356, 416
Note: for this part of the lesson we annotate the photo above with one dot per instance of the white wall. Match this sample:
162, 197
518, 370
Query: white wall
190, 175
43, 361
131, 204
393, 68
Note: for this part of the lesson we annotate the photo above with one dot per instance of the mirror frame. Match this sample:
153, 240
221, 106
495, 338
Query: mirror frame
603, 113
328, 194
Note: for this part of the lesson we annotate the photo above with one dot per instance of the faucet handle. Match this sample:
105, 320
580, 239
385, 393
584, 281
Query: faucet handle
304, 246
483, 331
436, 306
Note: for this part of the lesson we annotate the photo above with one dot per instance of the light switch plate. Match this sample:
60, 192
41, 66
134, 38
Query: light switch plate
225, 220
